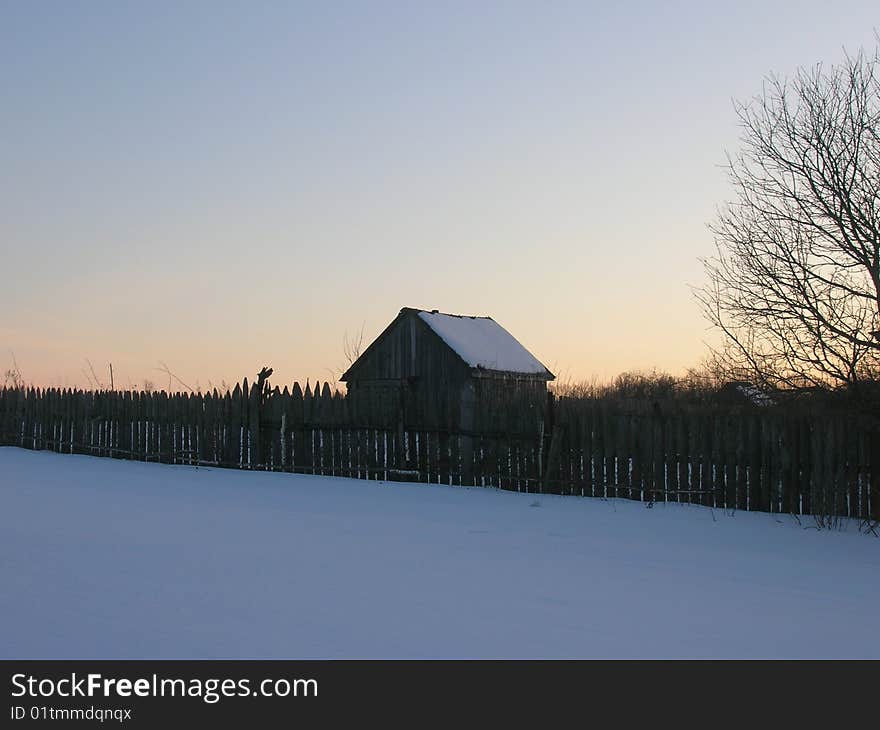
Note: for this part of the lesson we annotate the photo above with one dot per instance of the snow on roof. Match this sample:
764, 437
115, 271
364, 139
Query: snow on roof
482, 342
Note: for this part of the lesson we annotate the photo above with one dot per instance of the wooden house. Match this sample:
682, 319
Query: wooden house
445, 365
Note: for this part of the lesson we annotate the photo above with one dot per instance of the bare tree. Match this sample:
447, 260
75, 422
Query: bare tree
794, 285
12, 377
172, 377
353, 346
92, 377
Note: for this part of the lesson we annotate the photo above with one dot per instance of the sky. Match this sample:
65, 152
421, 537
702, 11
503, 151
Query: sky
214, 187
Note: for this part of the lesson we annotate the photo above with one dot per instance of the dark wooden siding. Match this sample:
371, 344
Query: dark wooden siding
500, 387
803, 458
410, 350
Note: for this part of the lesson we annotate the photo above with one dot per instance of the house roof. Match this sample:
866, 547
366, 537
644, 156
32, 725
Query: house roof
483, 343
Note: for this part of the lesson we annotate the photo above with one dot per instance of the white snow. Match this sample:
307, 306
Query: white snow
756, 396
102, 558
482, 342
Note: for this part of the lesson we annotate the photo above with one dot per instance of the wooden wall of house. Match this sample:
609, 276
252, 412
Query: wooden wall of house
410, 349
501, 387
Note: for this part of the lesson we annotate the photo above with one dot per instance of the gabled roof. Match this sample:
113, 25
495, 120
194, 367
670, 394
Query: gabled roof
481, 343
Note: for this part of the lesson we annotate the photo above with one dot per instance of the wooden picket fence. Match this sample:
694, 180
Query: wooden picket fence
743, 458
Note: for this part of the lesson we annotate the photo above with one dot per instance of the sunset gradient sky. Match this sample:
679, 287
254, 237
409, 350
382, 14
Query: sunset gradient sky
220, 186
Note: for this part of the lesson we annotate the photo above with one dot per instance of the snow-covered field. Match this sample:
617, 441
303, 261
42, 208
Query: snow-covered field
104, 558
